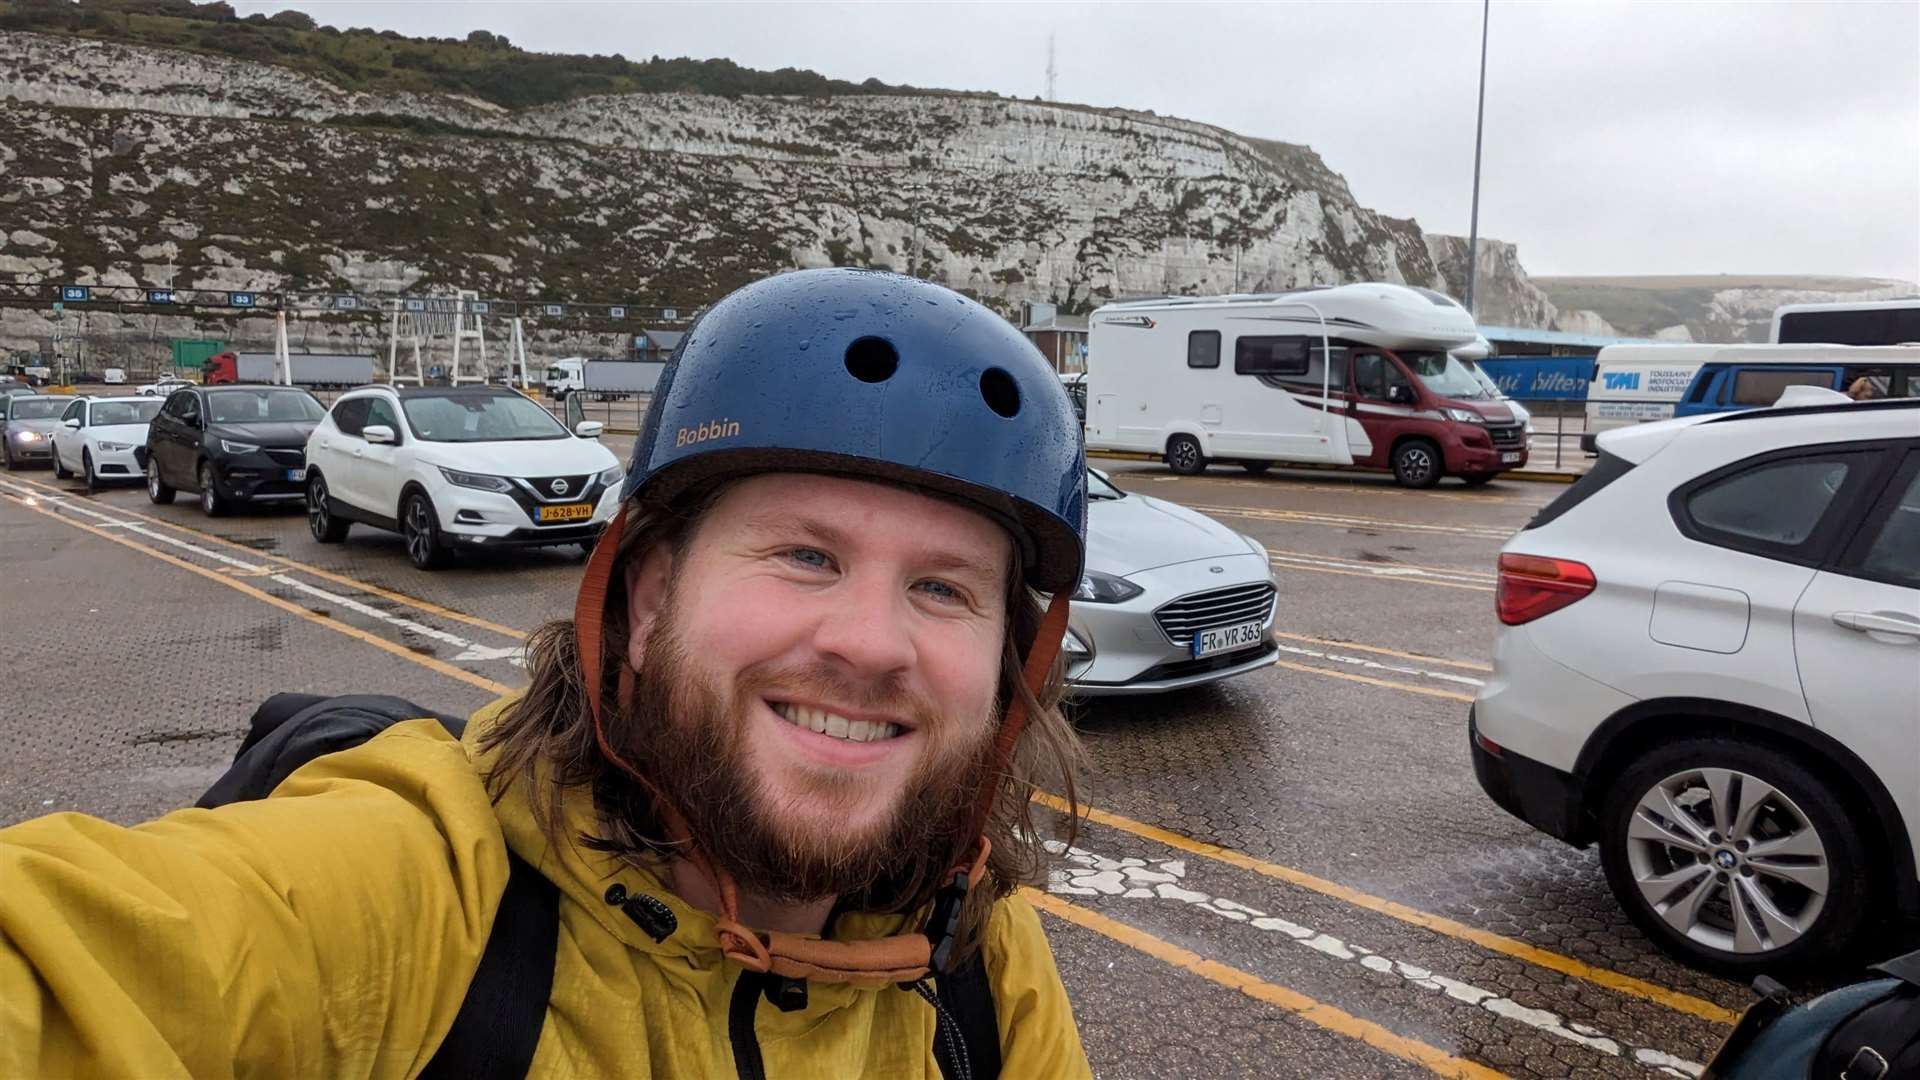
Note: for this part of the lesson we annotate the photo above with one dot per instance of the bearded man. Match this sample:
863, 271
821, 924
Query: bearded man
773, 778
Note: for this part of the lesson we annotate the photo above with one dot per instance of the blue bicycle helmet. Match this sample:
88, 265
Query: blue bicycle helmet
876, 376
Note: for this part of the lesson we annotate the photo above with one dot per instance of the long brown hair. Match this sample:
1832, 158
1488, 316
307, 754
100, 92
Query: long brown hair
548, 730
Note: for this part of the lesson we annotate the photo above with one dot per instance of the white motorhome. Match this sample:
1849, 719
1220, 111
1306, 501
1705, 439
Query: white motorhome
1351, 375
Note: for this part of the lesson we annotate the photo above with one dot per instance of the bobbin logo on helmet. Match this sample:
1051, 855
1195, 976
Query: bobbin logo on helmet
876, 376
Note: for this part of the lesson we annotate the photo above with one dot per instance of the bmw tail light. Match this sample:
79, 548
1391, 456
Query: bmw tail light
1533, 585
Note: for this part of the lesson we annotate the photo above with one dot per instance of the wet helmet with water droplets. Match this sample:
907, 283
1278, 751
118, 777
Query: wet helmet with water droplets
875, 376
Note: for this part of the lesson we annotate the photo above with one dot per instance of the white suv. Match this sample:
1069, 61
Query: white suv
452, 467
1711, 668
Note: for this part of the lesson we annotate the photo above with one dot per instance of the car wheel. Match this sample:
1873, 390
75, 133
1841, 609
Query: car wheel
1184, 456
326, 528
1477, 479
1257, 468
420, 527
6, 454
211, 504
86, 468
157, 489
1416, 464
59, 467
1736, 857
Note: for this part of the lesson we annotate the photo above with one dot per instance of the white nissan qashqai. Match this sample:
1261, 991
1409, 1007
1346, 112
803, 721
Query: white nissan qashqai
1710, 666
450, 467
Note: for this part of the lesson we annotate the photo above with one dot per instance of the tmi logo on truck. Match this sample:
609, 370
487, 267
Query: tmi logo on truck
1620, 380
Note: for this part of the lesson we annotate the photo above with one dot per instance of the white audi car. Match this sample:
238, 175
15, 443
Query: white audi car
457, 467
1170, 599
97, 438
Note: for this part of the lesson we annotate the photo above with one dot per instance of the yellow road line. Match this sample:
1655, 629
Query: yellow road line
1371, 681
1317, 1013
1467, 665
294, 564
1440, 924
354, 632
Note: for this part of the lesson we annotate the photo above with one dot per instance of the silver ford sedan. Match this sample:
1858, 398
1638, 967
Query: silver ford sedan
1171, 598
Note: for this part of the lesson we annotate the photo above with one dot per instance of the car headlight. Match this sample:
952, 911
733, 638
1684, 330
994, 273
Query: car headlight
116, 447
27, 436
1098, 588
475, 480
232, 447
1465, 416
613, 476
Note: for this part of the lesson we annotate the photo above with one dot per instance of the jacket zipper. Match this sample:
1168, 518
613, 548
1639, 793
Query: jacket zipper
740, 1014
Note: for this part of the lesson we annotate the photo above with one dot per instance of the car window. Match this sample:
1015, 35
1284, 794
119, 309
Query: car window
124, 412
469, 417
1762, 387
380, 411
1893, 553
262, 406
350, 415
75, 411
1776, 504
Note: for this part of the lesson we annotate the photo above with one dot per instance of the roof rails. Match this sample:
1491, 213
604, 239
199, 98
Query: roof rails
1886, 404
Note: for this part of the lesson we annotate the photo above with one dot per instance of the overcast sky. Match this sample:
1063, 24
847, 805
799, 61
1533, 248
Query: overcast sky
1623, 138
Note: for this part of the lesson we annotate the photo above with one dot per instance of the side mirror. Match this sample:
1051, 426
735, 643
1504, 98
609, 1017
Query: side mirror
73, 424
378, 433
589, 429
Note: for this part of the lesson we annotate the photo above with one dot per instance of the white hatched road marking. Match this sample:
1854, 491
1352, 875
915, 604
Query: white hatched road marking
1161, 879
1344, 521
1375, 665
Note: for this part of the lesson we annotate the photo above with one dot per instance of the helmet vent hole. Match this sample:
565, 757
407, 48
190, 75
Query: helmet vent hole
872, 360
1001, 393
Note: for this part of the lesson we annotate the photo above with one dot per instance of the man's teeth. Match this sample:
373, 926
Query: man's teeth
839, 727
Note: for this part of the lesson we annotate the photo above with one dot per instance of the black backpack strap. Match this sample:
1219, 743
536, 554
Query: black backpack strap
966, 997
290, 730
498, 1026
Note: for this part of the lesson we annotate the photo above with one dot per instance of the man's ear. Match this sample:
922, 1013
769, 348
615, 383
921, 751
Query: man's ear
647, 581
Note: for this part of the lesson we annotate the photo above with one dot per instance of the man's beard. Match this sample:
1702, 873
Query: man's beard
679, 729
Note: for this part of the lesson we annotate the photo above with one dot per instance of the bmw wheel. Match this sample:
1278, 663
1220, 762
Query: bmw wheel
326, 528
1416, 464
420, 527
157, 489
1184, 456
1736, 857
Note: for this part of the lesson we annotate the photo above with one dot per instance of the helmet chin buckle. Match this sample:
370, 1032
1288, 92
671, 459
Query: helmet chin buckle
943, 922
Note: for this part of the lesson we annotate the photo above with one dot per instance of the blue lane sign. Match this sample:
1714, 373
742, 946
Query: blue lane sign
159, 296
478, 307
240, 299
72, 293
669, 313
617, 313
346, 302
556, 309
416, 305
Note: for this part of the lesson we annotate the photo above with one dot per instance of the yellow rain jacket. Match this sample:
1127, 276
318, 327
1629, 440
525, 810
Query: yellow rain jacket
331, 931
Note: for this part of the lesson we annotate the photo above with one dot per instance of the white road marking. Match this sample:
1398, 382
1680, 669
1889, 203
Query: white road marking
1347, 522
1161, 879
470, 651
1387, 570
1375, 665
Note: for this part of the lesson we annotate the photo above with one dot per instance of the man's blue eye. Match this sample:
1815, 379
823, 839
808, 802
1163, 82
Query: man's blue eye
808, 556
945, 590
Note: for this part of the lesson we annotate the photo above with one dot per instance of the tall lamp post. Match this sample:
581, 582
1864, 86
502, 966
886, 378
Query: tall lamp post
1479, 126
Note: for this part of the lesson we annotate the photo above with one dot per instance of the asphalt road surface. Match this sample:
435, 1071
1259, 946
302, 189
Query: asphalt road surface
1290, 874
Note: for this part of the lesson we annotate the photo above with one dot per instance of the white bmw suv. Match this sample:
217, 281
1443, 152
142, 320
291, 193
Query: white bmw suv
457, 467
1710, 667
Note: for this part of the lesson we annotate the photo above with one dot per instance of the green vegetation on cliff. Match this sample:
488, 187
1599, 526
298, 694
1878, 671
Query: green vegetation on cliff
483, 65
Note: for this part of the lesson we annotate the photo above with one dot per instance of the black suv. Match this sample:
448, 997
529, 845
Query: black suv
232, 444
